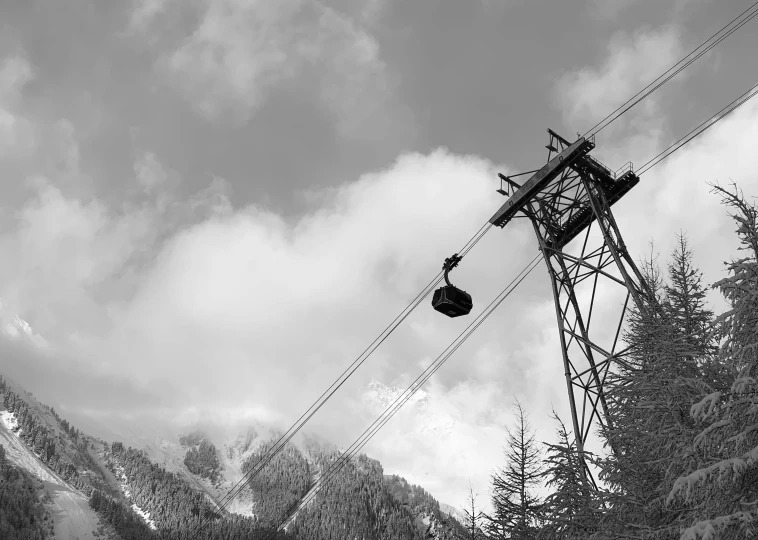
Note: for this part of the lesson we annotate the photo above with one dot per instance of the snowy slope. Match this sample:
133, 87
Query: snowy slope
73, 519
232, 453
68, 502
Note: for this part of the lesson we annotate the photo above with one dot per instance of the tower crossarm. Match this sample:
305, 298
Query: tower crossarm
540, 180
557, 189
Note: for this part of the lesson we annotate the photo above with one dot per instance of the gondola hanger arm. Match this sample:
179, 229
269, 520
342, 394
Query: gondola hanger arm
450, 263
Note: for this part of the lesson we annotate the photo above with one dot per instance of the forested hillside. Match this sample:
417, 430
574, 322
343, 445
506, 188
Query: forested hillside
124, 520
280, 484
22, 515
57, 443
359, 502
175, 507
201, 457
429, 518
123, 483
355, 502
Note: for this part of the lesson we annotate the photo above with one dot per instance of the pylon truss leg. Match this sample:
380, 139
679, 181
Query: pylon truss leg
571, 196
576, 207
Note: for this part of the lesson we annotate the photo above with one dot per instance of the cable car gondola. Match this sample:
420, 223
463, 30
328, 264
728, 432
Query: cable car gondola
449, 299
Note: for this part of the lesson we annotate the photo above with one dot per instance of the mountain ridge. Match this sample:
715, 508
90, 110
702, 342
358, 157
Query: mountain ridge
104, 480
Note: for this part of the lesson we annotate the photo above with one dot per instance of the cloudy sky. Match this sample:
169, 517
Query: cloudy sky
211, 207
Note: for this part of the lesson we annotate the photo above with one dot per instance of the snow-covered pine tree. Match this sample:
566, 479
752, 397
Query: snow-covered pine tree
516, 507
572, 510
721, 488
685, 304
648, 397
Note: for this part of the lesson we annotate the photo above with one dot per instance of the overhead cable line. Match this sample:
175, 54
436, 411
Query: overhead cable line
751, 12
358, 445
406, 395
409, 392
741, 100
284, 439
329, 392
403, 398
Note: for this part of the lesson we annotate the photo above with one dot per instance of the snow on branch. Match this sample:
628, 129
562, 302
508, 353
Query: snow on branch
701, 438
741, 384
741, 437
711, 401
727, 468
706, 530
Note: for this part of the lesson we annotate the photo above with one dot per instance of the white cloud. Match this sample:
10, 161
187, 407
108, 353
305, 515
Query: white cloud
150, 173
15, 73
240, 52
372, 10
145, 11
16, 138
73, 253
231, 285
612, 9
357, 84
589, 94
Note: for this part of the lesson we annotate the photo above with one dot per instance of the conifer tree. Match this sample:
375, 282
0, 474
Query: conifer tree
648, 397
571, 511
516, 507
720, 488
10, 401
474, 518
685, 304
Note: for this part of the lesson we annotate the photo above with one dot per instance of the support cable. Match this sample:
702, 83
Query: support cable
753, 11
408, 393
403, 398
329, 392
284, 439
738, 102
741, 100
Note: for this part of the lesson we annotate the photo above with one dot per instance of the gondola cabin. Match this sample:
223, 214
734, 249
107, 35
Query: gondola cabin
452, 301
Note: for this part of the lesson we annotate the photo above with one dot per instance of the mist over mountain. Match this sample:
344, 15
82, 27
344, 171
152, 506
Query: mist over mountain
170, 485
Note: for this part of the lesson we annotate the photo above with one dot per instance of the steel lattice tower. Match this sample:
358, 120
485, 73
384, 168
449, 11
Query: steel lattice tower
573, 194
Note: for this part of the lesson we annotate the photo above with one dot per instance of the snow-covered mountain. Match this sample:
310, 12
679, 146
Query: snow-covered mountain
231, 452
168, 452
385, 396
15, 327
113, 472
430, 418
453, 512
